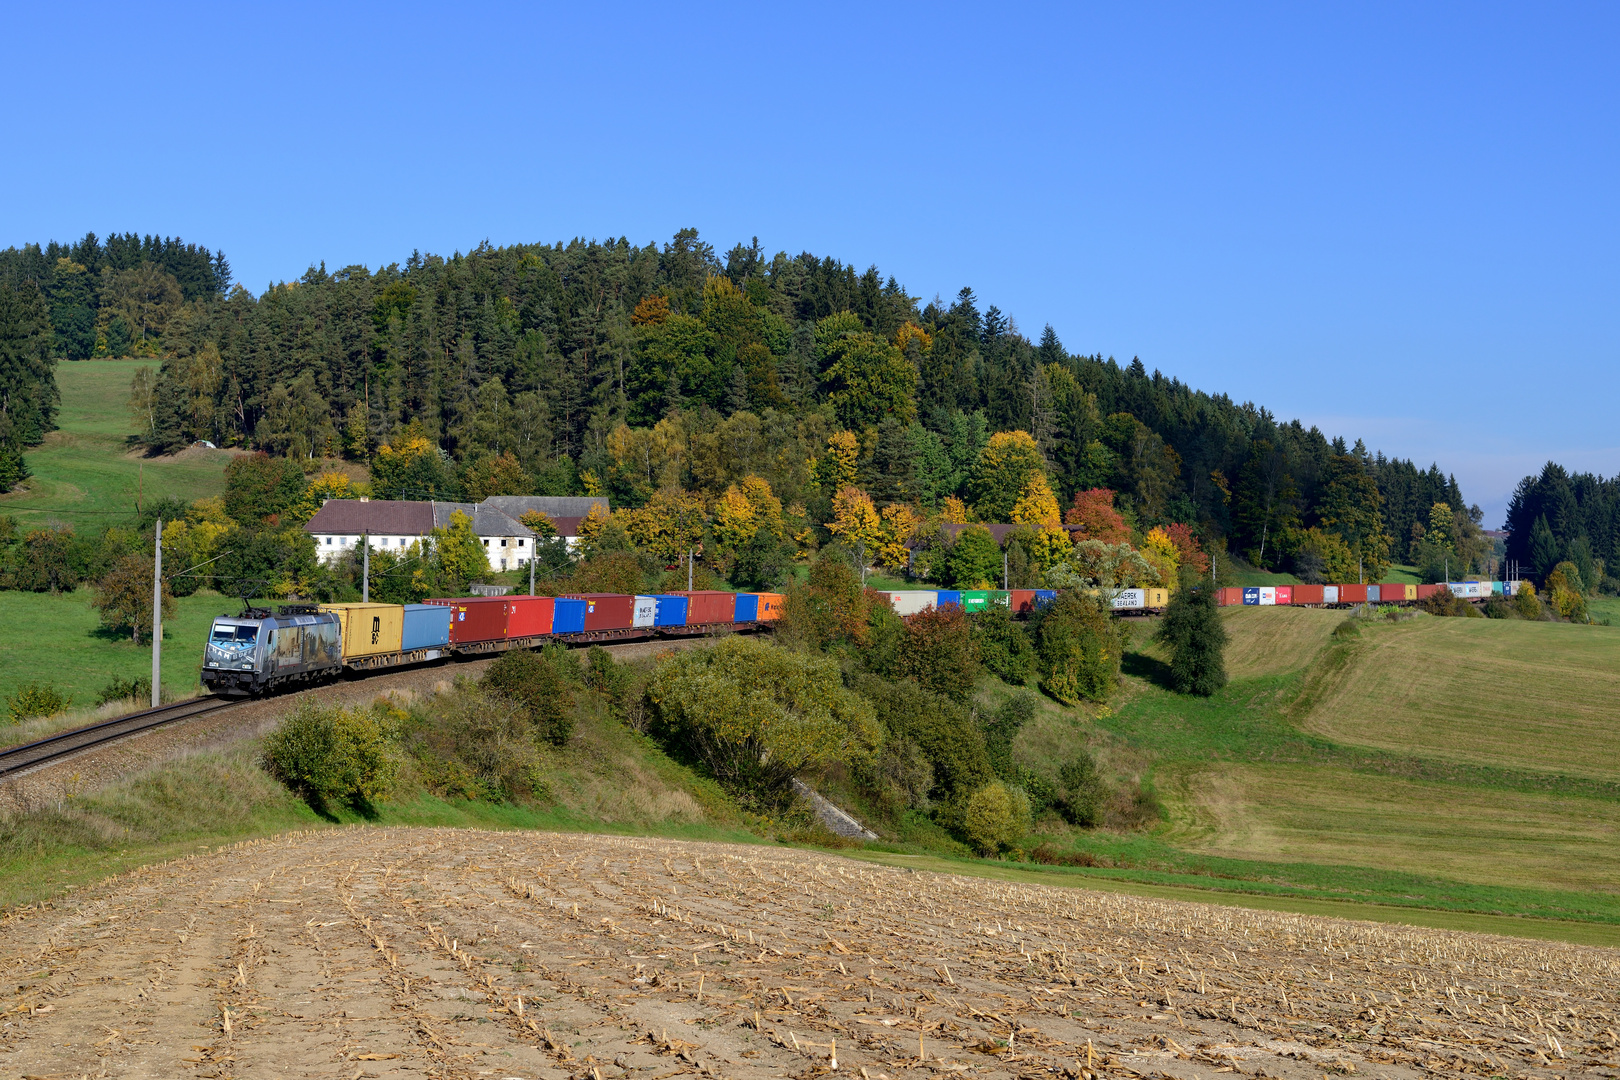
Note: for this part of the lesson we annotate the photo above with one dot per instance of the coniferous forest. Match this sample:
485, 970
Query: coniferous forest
607, 367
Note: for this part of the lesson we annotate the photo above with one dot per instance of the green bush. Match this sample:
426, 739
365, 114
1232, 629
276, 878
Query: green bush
1082, 792
1004, 647
942, 729
1079, 649
334, 752
605, 676
994, 817
1527, 603
536, 683
477, 745
1002, 728
939, 653
1192, 629
756, 714
36, 699
140, 689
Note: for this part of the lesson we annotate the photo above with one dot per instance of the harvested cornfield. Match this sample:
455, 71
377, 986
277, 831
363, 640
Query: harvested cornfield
384, 952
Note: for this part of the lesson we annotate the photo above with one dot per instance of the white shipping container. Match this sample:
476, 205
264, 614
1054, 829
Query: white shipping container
1330, 594
1130, 599
912, 601
644, 611
1268, 596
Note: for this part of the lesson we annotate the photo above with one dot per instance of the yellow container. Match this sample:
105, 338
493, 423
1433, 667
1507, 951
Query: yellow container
369, 629
1158, 598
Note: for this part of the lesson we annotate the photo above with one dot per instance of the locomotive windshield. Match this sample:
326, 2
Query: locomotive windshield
226, 634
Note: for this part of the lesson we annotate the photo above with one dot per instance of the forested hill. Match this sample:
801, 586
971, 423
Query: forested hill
1563, 517
608, 365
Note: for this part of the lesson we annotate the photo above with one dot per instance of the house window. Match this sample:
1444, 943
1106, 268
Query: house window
486, 543
520, 542
328, 541
503, 541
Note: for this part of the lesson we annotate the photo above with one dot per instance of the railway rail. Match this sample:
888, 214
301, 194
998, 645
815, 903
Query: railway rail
18, 759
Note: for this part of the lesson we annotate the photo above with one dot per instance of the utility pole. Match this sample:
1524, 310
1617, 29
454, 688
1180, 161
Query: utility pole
157, 615
1003, 569
365, 567
688, 569
531, 568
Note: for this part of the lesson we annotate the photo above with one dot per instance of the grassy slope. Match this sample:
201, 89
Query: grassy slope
84, 476
83, 473
1259, 804
57, 639
1537, 696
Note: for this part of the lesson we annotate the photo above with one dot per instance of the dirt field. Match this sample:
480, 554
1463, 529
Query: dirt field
382, 953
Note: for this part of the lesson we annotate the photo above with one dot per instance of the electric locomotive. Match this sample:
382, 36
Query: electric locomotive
261, 650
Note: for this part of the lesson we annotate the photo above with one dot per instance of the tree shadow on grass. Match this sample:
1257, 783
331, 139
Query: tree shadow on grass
1146, 667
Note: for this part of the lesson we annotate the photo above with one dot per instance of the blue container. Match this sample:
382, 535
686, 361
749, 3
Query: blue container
747, 607
568, 617
949, 596
1251, 595
1373, 594
1044, 597
671, 611
427, 626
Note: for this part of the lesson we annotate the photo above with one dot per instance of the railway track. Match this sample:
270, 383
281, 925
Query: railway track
16, 759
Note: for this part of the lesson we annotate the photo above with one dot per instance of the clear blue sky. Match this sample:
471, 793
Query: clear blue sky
1398, 224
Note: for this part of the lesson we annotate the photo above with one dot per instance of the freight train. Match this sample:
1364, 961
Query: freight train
261, 651
1351, 595
1153, 601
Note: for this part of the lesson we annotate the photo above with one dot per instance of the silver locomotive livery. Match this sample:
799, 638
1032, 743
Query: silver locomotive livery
260, 650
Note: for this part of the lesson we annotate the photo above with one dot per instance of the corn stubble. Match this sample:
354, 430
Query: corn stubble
439, 953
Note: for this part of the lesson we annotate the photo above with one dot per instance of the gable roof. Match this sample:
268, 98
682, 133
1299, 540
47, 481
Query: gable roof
385, 517
351, 517
486, 520
553, 506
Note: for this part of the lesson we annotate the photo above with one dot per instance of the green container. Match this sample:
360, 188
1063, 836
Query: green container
1000, 599
974, 600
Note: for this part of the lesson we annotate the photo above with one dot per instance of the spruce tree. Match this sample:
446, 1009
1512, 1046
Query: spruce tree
1192, 628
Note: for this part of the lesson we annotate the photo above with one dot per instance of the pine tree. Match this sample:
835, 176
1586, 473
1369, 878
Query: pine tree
1197, 640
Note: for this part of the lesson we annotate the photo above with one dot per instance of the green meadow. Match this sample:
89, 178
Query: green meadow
85, 472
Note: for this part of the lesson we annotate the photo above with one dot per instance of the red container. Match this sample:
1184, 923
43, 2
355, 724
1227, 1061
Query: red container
1023, 601
475, 618
528, 615
1306, 594
1229, 597
707, 607
1426, 591
607, 611
1285, 594
1352, 594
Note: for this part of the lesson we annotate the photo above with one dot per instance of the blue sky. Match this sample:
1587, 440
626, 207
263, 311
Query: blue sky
1396, 222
